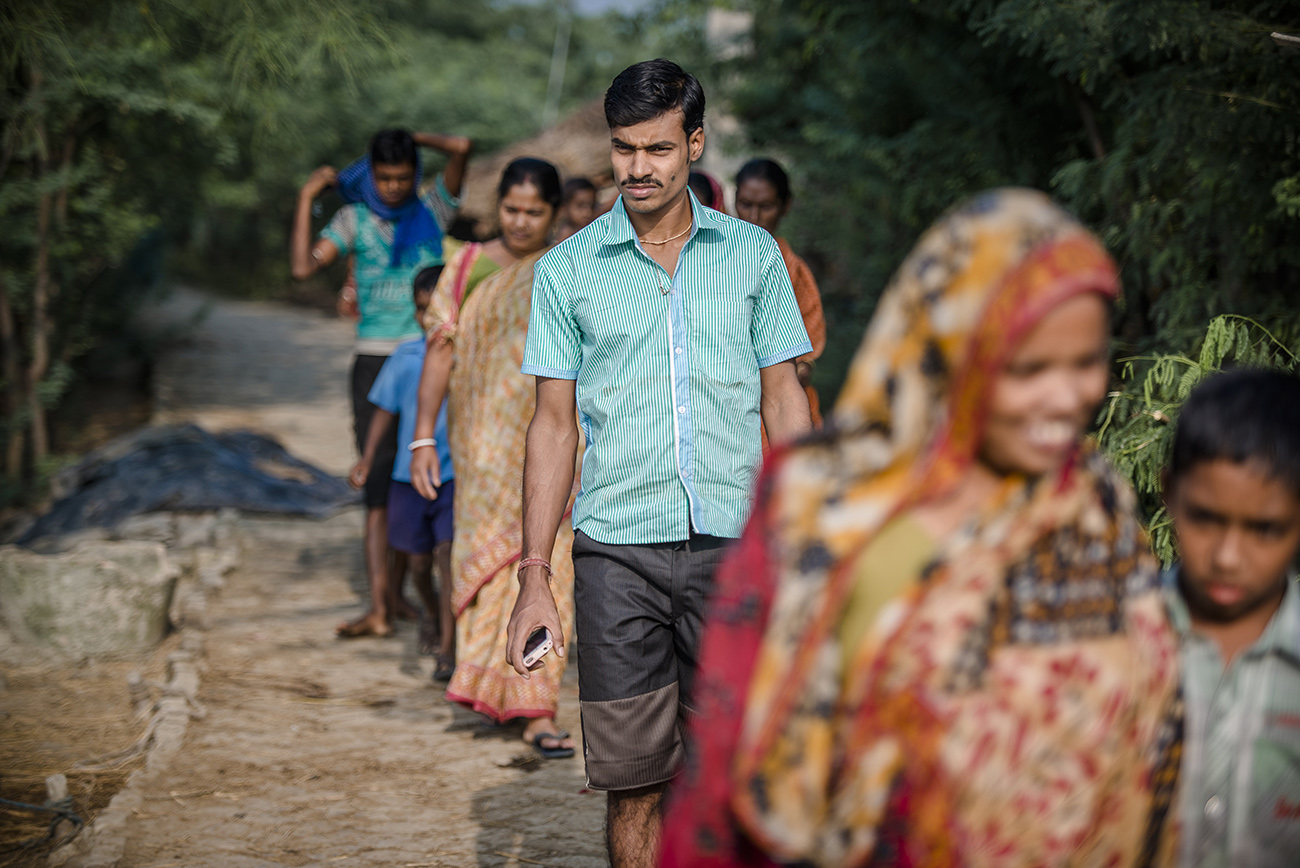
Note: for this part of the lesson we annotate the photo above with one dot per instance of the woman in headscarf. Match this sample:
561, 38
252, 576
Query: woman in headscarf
763, 198
940, 640
481, 327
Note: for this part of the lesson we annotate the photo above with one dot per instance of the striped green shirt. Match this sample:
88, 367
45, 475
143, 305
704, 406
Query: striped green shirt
666, 369
1240, 777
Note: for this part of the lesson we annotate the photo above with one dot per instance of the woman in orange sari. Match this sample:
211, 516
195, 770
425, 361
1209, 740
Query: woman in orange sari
763, 198
940, 640
480, 327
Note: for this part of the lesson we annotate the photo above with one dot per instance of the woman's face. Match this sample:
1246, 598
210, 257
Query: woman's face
1046, 395
757, 202
526, 219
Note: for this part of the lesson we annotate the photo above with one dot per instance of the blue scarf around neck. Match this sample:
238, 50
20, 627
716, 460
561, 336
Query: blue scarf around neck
413, 224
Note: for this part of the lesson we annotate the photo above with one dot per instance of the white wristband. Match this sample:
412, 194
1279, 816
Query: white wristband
416, 444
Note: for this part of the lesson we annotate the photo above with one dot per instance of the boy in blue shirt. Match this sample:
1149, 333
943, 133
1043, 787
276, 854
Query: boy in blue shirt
1233, 492
421, 528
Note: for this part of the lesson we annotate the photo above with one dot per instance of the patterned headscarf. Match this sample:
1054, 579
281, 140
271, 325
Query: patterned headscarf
995, 704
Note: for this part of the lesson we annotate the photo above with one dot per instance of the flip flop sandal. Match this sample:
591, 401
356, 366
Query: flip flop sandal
445, 668
551, 752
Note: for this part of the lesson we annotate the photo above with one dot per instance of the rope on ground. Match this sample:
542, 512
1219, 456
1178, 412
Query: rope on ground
63, 810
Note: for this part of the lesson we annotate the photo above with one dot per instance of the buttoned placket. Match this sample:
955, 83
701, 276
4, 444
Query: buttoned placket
679, 368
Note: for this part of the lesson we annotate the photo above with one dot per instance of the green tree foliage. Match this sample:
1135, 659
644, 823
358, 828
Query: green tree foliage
1173, 128
128, 128
1137, 421
108, 106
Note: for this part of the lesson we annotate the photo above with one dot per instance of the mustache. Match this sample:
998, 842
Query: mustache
641, 182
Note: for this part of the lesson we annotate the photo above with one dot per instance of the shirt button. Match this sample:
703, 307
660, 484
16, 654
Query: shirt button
678, 351
1214, 808
681, 409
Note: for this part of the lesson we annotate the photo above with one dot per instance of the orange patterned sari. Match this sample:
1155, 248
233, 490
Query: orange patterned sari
1013, 705
490, 405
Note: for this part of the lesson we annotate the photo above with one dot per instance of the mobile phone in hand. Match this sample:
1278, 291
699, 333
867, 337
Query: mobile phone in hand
538, 644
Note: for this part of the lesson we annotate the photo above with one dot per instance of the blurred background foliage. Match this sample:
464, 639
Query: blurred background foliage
166, 139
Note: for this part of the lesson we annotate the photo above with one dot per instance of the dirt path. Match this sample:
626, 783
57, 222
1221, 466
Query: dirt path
316, 751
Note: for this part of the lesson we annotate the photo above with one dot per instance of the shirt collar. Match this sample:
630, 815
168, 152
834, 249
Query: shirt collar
620, 229
1282, 633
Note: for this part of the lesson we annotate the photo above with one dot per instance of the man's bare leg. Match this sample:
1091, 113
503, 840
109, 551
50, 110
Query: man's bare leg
375, 621
633, 821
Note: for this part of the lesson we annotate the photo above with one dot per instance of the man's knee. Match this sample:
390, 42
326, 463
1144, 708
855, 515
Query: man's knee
642, 802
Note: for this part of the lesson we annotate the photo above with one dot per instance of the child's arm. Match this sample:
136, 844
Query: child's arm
426, 474
456, 148
379, 424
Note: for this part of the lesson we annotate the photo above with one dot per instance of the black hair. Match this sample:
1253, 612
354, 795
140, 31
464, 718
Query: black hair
1249, 415
393, 148
763, 169
646, 90
573, 186
427, 279
539, 173
703, 190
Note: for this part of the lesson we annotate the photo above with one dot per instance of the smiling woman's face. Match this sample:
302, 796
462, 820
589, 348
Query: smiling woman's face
1045, 396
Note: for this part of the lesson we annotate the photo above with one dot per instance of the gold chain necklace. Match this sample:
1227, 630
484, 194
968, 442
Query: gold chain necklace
666, 240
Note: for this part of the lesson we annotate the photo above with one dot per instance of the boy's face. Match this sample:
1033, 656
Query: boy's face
1238, 532
422, 299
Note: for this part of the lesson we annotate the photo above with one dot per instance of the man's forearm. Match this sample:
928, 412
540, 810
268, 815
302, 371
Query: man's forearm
784, 406
548, 479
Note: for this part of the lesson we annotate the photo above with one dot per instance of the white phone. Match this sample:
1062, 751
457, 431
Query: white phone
537, 646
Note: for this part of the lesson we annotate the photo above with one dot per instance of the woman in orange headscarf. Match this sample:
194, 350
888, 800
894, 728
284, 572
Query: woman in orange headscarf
763, 198
940, 641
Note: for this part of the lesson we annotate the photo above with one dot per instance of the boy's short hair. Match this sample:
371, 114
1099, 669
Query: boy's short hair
1249, 415
573, 186
393, 148
427, 279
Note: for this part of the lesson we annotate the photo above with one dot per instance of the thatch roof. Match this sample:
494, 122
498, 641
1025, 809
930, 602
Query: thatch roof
577, 145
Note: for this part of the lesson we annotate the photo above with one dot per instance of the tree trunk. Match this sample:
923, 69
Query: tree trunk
15, 381
40, 322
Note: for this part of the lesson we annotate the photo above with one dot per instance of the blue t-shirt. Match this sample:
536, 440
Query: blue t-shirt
397, 390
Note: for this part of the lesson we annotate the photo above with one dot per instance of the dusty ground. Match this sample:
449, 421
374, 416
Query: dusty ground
313, 751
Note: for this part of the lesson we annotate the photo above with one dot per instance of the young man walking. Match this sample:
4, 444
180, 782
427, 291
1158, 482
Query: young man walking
393, 231
670, 331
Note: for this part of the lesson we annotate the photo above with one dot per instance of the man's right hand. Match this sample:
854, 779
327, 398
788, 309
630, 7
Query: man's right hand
426, 474
534, 608
319, 181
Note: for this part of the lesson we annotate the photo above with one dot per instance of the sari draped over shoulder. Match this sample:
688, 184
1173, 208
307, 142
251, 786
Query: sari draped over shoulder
490, 407
1016, 703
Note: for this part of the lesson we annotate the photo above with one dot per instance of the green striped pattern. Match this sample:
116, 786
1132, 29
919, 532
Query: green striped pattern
1240, 776
667, 370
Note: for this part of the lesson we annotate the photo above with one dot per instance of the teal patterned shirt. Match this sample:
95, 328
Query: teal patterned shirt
385, 296
667, 370
1240, 777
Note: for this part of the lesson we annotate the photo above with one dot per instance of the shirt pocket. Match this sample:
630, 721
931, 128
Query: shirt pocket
722, 347
1275, 791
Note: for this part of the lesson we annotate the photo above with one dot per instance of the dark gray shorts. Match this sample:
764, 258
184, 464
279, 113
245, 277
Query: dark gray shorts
640, 614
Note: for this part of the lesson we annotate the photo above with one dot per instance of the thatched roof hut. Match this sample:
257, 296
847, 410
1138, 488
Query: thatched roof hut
577, 145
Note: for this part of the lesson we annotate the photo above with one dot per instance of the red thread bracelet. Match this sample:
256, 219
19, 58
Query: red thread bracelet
537, 562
